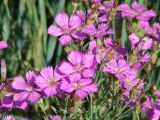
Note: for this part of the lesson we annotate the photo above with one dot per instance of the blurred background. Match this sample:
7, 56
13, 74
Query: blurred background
24, 23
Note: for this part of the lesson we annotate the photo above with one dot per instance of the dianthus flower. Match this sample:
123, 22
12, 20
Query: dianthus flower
81, 86
119, 68
151, 109
67, 28
79, 64
102, 30
153, 31
135, 11
26, 90
48, 81
9, 117
8, 101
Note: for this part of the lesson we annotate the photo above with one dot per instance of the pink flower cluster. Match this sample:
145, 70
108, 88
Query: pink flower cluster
76, 74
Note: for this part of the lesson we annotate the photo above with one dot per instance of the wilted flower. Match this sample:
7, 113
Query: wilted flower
136, 11
79, 64
48, 81
81, 86
67, 28
26, 90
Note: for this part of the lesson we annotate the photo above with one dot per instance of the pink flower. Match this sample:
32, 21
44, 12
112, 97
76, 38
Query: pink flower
48, 81
129, 82
145, 58
119, 68
79, 64
26, 90
101, 31
3, 44
145, 44
67, 28
153, 31
81, 87
151, 109
108, 44
8, 101
9, 117
136, 11
134, 39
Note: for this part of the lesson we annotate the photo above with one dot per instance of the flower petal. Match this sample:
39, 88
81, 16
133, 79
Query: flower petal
54, 31
33, 96
65, 39
19, 83
75, 21
66, 68
75, 57
62, 19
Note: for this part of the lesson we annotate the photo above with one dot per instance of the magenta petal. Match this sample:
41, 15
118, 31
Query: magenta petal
137, 7
75, 57
82, 94
47, 72
21, 96
88, 60
3, 44
21, 104
85, 82
65, 39
66, 87
89, 29
19, 83
90, 88
88, 72
41, 82
66, 68
54, 31
50, 91
33, 96
75, 21
62, 19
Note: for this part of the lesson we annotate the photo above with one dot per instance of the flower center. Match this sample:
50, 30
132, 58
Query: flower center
52, 81
77, 85
67, 31
118, 70
29, 88
78, 68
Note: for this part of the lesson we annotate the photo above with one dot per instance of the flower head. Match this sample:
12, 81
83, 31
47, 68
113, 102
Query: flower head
81, 87
48, 81
135, 11
26, 89
153, 31
9, 117
8, 101
119, 68
79, 64
67, 28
